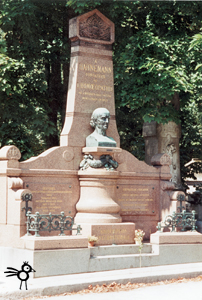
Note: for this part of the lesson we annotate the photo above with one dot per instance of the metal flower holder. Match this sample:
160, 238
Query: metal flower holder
183, 220
36, 222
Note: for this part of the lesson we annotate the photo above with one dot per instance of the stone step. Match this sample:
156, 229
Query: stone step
114, 257
120, 261
119, 250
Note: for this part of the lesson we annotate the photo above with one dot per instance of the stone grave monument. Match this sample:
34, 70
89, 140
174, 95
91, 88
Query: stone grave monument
89, 177
164, 138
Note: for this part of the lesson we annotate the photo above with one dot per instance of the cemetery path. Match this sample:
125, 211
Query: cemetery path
172, 281
185, 289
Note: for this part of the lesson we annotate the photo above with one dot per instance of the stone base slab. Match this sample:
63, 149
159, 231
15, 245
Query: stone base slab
108, 234
97, 259
187, 237
54, 242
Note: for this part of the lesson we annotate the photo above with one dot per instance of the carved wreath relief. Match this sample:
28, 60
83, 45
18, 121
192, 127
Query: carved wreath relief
94, 28
105, 161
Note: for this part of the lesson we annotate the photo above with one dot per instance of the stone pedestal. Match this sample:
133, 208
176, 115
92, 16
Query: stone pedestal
97, 212
96, 204
98, 191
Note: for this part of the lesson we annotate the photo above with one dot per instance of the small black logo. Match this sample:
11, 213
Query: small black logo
22, 275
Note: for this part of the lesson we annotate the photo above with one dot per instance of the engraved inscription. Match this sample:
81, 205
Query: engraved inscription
135, 200
96, 87
50, 199
94, 68
110, 234
94, 96
95, 82
94, 28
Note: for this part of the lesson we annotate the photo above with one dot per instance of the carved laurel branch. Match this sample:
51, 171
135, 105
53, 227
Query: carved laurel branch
105, 161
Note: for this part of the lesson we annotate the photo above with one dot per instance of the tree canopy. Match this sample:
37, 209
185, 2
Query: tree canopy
157, 70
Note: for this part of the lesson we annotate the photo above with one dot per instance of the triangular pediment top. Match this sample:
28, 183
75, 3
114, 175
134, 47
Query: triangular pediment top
92, 27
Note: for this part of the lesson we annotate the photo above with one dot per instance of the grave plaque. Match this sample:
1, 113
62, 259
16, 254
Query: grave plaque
53, 195
114, 233
136, 199
49, 198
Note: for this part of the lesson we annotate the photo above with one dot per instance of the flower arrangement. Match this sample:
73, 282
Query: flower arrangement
139, 235
92, 238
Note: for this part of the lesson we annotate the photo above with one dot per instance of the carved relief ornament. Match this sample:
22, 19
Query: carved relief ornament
94, 28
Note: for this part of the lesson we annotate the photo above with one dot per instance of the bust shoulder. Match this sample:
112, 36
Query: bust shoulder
95, 140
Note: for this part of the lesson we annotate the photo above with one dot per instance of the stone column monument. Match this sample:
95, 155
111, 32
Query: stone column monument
90, 102
91, 83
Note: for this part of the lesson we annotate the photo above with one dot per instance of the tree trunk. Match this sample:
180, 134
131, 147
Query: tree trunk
55, 99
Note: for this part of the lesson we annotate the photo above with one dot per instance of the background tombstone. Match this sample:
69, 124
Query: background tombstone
151, 141
164, 138
168, 137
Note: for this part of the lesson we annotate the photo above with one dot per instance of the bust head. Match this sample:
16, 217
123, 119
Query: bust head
100, 120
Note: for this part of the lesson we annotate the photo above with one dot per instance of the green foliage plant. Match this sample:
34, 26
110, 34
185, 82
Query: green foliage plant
157, 70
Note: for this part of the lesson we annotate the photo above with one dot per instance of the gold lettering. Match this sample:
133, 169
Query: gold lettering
98, 69
95, 68
92, 86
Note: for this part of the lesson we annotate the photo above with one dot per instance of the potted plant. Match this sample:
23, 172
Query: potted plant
92, 240
139, 235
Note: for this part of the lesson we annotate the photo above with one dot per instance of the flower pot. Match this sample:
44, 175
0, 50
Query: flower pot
91, 244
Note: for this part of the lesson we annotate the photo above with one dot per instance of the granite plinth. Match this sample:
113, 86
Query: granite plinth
54, 242
188, 237
98, 140
101, 150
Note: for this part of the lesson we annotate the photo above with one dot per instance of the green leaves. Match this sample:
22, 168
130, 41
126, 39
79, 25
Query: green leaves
155, 59
157, 55
34, 58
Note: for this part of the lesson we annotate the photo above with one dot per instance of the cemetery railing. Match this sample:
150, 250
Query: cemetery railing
36, 222
183, 221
